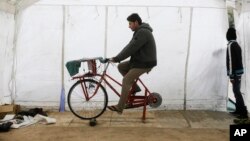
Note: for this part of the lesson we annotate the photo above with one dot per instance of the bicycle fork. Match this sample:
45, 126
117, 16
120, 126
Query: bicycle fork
85, 90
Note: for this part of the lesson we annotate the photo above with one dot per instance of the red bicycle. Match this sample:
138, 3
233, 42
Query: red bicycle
88, 99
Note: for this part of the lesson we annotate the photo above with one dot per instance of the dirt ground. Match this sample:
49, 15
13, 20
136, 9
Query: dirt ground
159, 126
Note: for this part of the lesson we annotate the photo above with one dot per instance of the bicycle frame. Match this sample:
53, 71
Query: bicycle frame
134, 101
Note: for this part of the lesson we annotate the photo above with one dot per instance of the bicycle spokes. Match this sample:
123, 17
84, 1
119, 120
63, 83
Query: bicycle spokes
92, 103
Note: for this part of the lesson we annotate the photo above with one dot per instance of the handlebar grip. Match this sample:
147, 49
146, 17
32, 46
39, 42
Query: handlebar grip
104, 60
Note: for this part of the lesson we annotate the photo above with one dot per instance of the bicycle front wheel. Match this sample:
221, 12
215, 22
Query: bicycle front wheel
87, 99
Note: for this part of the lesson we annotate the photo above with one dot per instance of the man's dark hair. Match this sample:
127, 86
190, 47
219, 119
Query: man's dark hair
134, 17
231, 34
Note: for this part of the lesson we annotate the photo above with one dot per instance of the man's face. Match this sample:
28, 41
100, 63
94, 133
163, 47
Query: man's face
133, 25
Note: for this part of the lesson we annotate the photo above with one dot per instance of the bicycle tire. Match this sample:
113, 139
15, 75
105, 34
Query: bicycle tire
83, 108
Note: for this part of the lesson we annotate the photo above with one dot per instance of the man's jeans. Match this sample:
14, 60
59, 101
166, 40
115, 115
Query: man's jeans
129, 77
239, 104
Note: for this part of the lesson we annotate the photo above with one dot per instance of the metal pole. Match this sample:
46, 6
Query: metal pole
187, 59
106, 32
62, 96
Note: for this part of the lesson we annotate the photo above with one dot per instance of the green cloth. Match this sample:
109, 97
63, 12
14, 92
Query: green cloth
73, 67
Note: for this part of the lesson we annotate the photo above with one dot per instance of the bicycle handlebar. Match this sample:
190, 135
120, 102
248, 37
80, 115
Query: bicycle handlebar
104, 60
101, 59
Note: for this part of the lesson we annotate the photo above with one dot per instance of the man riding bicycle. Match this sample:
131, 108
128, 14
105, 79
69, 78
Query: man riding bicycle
142, 52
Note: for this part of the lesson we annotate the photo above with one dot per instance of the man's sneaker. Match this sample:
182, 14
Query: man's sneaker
235, 113
242, 116
135, 91
242, 121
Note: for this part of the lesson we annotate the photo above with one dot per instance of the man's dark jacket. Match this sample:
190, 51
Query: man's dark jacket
234, 59
141, 48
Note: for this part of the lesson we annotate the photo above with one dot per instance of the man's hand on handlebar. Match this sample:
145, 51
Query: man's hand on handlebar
112, 60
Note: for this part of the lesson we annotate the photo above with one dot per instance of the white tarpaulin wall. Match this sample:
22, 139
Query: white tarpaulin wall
190, 38
243, 27
6, 54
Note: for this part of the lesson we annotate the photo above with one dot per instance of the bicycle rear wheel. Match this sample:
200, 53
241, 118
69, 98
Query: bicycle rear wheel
84, 102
